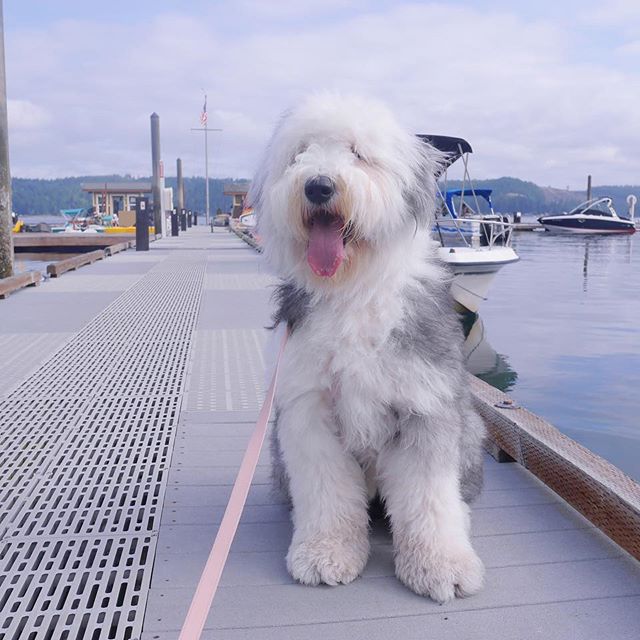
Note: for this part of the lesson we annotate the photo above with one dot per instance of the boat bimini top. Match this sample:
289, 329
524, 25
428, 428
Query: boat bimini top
452, 148
449, 195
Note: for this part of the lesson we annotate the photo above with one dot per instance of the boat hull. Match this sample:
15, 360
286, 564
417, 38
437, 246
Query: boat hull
583, 225
473, 272
470, 290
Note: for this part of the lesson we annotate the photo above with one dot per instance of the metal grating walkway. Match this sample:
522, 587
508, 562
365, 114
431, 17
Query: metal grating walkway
86, 440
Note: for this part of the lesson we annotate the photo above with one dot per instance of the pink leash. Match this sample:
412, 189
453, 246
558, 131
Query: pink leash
210, 578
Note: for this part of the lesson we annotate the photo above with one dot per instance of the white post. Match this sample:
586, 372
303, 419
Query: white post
206, 130
631, 201
206, 174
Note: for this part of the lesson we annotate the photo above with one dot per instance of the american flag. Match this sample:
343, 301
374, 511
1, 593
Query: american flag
203, 115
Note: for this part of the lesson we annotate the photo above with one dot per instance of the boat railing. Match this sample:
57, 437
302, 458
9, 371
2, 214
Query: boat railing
477, 231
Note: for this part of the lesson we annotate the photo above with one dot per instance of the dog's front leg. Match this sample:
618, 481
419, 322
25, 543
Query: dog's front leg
419, 481
330, 540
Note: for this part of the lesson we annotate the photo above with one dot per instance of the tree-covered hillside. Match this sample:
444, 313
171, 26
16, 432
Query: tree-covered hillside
509, 194
49, 196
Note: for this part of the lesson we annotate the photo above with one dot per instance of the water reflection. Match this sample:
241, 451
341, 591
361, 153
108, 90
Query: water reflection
567, 316
37, 261
481, 359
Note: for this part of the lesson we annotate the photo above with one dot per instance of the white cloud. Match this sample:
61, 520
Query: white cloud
25, 116
515, 88
612, 13
285, 9
629, 48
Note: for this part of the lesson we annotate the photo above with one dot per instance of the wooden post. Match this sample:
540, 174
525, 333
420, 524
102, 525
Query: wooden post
156, 188
180, 184
6, 244
183, 219
589, 187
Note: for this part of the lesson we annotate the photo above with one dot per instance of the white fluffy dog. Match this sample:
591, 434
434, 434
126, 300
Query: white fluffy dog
372, 396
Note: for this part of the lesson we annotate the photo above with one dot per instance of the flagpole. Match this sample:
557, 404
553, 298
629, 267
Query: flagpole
204, 119
206, 171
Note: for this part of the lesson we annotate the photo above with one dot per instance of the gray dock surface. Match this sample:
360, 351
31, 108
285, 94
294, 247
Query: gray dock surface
127, 393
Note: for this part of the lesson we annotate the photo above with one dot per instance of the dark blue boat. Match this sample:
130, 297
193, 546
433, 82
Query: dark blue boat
593, 216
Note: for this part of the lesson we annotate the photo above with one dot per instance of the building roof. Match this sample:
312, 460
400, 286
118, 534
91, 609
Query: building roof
237, 188
117, 187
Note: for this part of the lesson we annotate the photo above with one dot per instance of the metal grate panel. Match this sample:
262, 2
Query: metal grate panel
227, 370
107, 474
75, 588
23, 352
85, 446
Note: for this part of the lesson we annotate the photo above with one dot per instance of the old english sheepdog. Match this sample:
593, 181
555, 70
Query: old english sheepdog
372, 398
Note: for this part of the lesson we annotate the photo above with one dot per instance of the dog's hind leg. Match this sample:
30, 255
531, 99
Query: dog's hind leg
330, 541
419, 479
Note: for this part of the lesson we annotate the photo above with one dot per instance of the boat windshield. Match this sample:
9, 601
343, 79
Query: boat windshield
597, 207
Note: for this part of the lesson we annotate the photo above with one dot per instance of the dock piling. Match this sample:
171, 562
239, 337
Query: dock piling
6, 245
183, 219
180, 181
156, 183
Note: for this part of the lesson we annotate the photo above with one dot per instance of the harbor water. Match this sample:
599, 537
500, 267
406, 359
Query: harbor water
561, 333
37, 261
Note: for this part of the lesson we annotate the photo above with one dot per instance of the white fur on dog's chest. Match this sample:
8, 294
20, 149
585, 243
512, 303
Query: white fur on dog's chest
355, 362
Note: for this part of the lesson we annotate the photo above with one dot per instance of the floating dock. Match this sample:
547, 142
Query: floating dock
67, 242
128, 389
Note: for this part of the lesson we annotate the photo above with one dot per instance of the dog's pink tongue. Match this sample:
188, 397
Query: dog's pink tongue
326, 250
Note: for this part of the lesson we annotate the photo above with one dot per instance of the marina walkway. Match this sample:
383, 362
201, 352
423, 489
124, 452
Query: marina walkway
127, 392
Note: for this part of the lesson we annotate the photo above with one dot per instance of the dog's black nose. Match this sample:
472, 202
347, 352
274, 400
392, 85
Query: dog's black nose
319, 189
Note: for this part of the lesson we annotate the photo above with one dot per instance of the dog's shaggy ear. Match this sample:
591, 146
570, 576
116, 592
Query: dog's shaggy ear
421, 196
256, 191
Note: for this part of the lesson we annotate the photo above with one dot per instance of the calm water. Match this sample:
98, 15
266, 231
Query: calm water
37, 261
562, 329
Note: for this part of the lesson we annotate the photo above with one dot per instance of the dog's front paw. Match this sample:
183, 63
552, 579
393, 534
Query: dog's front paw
328, 559
440, 574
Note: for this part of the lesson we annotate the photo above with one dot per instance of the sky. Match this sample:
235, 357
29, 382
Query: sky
547, 93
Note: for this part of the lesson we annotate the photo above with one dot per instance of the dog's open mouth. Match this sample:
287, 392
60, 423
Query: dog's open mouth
325, 251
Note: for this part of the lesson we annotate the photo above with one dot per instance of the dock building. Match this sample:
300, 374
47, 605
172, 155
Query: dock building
238, 191
108, 198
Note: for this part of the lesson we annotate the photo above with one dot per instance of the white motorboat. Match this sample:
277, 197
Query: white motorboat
593, 216
474, 269
474, 245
